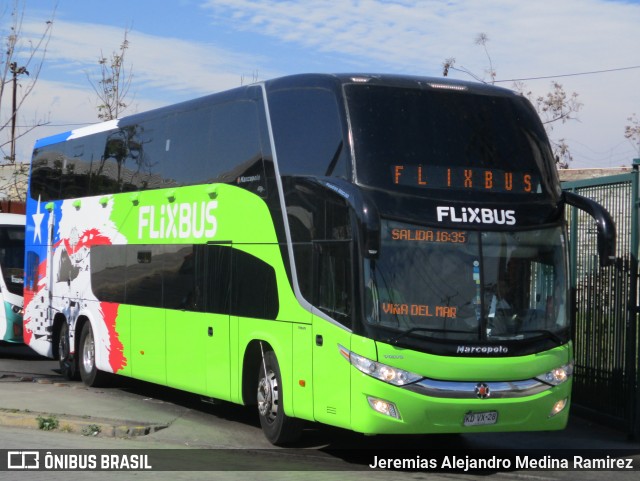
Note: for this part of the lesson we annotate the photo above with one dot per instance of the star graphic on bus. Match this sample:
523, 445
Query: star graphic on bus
37, 223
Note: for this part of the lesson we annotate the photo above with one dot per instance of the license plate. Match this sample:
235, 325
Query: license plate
480, 419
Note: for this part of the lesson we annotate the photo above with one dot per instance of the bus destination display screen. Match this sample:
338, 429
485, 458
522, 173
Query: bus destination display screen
464, 178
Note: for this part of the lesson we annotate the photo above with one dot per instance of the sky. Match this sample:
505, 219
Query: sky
185, 49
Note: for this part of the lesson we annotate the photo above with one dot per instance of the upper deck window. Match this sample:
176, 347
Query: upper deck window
308, 132
410, 139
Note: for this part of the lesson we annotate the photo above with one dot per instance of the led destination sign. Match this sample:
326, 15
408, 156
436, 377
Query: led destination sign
428, 235
464, 178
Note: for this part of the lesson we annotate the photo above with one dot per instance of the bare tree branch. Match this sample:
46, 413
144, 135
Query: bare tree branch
113, 87
556, 106
482, 39
21, 61
632, 131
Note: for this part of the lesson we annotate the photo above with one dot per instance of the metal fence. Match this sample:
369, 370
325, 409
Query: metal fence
606, 382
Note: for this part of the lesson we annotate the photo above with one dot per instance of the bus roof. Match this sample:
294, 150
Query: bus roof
291, 81
11, 219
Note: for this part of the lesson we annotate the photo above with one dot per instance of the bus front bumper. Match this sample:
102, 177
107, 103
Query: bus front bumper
380, 408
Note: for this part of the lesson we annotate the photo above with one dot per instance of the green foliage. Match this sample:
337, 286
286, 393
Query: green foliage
91, 430
47, 423
113, 86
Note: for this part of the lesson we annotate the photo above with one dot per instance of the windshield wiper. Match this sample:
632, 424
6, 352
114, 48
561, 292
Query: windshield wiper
549, 334
334, 159
394, 340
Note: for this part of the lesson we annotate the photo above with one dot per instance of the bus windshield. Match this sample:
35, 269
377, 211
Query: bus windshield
467, 285
429, 140
12, 257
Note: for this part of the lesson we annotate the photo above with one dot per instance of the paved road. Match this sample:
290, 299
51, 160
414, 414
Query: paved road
136, 415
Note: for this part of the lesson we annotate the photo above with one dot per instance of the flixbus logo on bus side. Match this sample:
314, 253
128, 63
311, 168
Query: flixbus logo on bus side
185, 220
470, 215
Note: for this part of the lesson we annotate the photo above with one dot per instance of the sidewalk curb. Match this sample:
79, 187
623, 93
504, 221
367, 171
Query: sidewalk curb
86, 425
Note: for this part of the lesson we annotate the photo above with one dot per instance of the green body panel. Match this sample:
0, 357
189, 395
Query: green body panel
216, 355
331, 374
423, 414
218, 213
303, 399
198, 353
148, 340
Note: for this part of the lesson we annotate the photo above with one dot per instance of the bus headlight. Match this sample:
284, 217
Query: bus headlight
388, 374
558, 407
557, 376
384, 407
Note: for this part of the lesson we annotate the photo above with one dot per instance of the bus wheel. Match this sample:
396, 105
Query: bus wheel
87, 358
278, 428
68, 363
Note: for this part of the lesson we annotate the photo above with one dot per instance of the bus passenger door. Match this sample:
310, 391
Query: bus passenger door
216, 282
144, 293
333, 297
331, 374
197, 317
217, 361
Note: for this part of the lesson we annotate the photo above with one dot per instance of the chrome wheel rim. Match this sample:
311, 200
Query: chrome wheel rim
268, 396
88, 352
63, 346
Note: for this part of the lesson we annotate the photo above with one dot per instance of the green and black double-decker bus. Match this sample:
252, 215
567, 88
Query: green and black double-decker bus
386, 254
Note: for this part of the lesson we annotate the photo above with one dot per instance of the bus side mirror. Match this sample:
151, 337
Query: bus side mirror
604, 224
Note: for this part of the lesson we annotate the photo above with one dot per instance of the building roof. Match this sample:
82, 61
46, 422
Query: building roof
13, 181
567, 175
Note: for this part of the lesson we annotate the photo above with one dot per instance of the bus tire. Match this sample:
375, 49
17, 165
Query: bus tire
68, 362
89, 373
278, 428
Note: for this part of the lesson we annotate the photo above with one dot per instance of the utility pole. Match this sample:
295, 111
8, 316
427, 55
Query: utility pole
15, 71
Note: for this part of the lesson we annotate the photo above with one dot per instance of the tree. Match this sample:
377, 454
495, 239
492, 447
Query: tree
449, 63
21, 61
556, 106
632, 131
115, 80
553, 108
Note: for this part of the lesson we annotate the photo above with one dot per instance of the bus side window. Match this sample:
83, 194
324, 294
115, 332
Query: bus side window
46, 174
144, 278
307, 132
333, 263
107, 268
74, 180
219, 142
216, 274
180, 284
121, 165
237, 147
187, 148
33, 261
254, 287
321, 234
